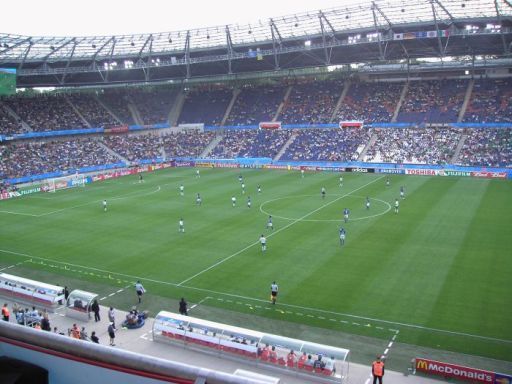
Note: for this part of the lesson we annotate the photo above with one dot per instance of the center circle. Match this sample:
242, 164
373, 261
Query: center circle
386, 207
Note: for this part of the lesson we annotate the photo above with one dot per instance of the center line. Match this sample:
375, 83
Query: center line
276, 232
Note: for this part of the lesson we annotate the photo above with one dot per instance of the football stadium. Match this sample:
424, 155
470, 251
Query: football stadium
303, 199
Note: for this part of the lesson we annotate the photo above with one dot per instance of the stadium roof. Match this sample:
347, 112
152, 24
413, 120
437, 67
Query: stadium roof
327, 29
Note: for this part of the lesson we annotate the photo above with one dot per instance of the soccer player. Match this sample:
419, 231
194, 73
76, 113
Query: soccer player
233, 201
197, 174
367, 203
302, 173
273, 292
259, 188
270, 225
397, 204
243, 189
402, 192
240, 178
263, 241
182, 190
198, 199
139, 288
388, 183
248, 201
341, 181
181, 226
346, 212
141, 178
104, 205
322, 191
342, 236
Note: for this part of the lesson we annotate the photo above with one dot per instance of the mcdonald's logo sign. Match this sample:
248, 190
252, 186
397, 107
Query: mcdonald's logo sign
453, 370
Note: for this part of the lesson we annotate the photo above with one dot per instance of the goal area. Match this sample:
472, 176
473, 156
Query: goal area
65, 182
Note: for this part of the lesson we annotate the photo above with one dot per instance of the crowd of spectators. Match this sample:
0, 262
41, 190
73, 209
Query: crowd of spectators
153, 104
32, 158
135, 147
414, 146
327, 144
256, 104
251, 143
117, 100
311, 102
491, 102
45, 112
186, 144
204, 105
92, 111
370, 102
433, 101
488, 147
8, 124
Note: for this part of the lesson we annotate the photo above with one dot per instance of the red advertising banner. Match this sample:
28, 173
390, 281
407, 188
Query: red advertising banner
452, 370
490, 175
117, 129
351, 124
270, 125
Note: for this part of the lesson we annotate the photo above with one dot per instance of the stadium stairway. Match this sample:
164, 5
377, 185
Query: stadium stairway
285, 147
135, 113
368, 145
236, 92
175, 112
112, 152
209, 148
467, 99
281, 106
400, 101
107, 109
346, 88
458, 149
75, 109
24, 125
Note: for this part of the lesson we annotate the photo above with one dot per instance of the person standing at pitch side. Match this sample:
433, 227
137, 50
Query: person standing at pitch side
273, 292
377, 370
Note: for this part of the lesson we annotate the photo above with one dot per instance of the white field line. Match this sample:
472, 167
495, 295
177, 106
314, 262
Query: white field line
276, 232
115, 198
200, 302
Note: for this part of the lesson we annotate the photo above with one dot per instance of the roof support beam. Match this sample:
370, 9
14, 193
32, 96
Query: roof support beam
187, 54
439, 42
506, 48
69, 61
27, 51
445, 10
275, 43
381, 54
148, 40
148, 62
324, 43
110, 58
100, 49
375, 6
28, 40
229, 44
57, 49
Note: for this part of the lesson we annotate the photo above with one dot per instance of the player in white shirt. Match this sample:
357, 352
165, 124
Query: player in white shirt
263, 241
402, 192
197, 173
302, 173
259, 188
322, 191
104, 205
243, 188
233, 201
397, 205
341, 181
181, 227
199, 201
367, 203
182, 190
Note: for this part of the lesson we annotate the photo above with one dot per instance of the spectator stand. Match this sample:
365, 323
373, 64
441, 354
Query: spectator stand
79, 304
30, 291
326, 363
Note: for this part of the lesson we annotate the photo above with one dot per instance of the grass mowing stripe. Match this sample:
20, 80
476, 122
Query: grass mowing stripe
278, 231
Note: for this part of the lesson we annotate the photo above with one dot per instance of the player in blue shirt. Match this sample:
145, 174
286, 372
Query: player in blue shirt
248, 201
346, 212
270, 225
342, 236
322, 191
402, 192
198, 199
240, 178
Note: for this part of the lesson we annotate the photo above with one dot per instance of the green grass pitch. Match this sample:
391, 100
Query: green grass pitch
439, 271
